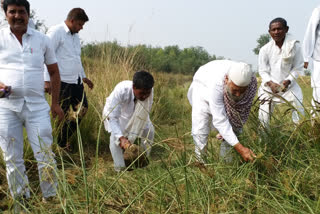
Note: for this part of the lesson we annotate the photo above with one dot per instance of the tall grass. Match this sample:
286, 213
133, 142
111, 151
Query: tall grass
285, 178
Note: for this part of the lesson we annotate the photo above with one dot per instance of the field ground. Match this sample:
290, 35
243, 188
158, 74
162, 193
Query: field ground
285, 178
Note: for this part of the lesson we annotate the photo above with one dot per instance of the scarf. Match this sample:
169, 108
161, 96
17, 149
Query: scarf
139, 119
238, 112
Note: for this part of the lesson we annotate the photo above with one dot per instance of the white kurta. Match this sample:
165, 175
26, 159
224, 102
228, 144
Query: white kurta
206, 98
117, 112
311, 41
277, 65
311, 51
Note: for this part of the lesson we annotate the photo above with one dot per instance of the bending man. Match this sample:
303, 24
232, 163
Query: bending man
126, 115
221, 94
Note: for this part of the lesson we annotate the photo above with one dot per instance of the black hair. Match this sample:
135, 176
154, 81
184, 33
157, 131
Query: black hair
143, 80
77, 14
24, 3
279, 19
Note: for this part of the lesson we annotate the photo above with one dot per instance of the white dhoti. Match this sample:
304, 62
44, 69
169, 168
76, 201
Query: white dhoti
202, 122
292, 95
39, 131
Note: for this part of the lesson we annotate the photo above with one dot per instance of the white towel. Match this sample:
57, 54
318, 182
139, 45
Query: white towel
138, 120
287, 48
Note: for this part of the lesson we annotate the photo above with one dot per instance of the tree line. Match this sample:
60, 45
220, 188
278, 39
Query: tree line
170, 59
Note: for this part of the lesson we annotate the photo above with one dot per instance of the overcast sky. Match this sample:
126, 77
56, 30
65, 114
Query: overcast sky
226, 28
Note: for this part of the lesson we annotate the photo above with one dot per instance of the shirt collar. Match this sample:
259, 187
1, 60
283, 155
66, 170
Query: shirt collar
132, 94
66, 28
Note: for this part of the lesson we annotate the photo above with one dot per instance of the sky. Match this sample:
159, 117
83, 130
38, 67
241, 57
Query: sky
227, 28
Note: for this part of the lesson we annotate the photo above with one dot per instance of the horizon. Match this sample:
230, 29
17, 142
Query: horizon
228, 29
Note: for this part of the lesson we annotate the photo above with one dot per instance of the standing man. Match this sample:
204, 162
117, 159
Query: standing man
221, 94
311, 50
280, 63
126, 116
23, 53
66, 44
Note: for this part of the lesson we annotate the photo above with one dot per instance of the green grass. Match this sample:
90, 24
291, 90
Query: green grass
284, 179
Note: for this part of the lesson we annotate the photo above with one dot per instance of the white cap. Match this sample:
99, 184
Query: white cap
240, 74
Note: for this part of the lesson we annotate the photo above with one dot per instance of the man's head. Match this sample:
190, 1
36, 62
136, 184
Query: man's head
17, 14
76, 19
278, 29
142, 85
237, 80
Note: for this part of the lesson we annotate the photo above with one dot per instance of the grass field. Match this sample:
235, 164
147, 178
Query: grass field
285, 178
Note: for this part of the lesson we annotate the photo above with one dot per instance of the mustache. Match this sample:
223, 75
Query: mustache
18, 20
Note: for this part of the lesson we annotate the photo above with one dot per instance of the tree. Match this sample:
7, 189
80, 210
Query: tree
262, 40
39, 24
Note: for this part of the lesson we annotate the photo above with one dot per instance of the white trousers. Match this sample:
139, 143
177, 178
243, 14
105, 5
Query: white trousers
117, 152
202, 124
315, 102
39, 131
293, 96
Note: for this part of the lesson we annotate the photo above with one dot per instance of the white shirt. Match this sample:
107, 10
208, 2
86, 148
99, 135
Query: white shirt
68, 52
311, 41
119, 108
211, 77
274, 66
21, 67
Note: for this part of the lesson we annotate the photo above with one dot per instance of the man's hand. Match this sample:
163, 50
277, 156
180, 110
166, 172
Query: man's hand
124, 143
47, 87
273, 86
286, 83
88, 82
306, 64
56, 110
3, 86
246, 153
5, 90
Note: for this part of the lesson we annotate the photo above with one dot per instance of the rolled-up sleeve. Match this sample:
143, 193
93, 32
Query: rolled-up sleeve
310, 35
49, 56
219, 117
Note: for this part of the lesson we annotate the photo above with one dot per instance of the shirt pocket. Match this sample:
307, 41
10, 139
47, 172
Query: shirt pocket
33, 57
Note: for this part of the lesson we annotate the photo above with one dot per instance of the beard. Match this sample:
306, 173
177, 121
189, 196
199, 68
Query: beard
233, 97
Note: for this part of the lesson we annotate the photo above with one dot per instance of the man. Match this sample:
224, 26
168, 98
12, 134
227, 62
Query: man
4, 23
66, 44
126, 115
221, 93
311, 50
24, 52
280, 63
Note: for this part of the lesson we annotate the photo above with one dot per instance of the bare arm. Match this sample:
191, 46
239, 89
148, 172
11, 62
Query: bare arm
53, 71
246, 153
